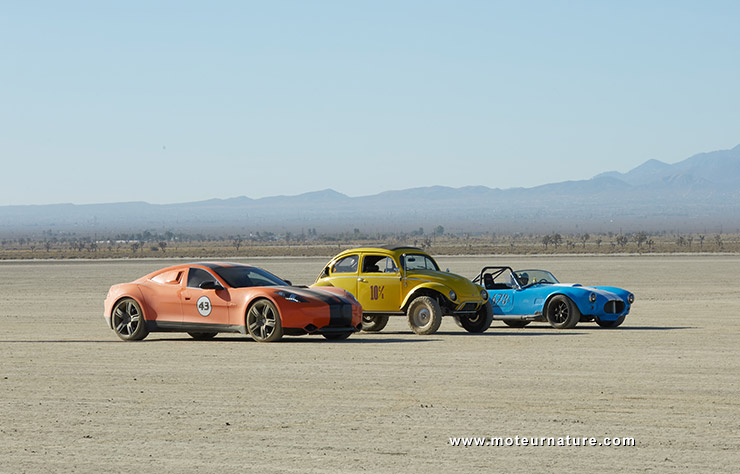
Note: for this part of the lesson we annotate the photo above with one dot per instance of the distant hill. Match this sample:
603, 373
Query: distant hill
697, 194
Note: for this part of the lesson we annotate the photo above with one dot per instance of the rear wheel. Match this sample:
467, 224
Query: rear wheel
562, 313
516, 323
202, 336
263, 322
128, 320
424, 315
480, 322
374, 322
610, 324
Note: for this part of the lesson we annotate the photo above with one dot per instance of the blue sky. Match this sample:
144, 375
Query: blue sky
174, 101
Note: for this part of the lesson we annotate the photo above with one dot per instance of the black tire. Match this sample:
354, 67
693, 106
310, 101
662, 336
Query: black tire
516, 323
610, 324
480, 322
373, 322
338, 336
562, 313
424, 315
128, 320
263, 322
202, 336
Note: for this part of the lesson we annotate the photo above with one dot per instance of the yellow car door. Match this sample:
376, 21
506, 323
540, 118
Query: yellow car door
379, 283
343, 274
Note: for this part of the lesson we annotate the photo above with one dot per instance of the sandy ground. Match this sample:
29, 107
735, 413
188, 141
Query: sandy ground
74, 398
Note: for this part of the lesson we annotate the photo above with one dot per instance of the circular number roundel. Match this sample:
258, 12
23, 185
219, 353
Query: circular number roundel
204, 306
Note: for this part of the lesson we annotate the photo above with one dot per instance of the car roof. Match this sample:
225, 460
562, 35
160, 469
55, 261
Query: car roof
387, 249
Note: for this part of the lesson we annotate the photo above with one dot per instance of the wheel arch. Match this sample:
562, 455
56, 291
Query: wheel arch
433, 290
257, 299
553, 295
133, 293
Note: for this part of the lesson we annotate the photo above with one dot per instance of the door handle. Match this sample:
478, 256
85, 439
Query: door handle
362, 280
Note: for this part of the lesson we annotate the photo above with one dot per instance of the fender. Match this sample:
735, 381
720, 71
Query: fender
130, 291
433, 286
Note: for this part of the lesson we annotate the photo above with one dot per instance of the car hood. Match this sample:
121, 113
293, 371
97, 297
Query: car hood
607, 292
461, 285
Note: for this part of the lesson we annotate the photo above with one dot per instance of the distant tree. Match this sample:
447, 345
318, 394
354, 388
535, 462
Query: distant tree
546, 240
718, 240
584, 238
237, 242
701, 241
556, 240
439, 230
135, 247
622, 240
640, 238
163, 245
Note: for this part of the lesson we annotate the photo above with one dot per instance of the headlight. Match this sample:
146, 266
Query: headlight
484, 294
631, 298
592, 297
292, 297
453, 295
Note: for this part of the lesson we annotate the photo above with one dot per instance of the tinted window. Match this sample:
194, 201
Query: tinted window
346, 265
378, 264
196, 276
417, 261
243, 277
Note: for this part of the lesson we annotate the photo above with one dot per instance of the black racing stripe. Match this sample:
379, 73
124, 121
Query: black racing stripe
340, 311
216, 266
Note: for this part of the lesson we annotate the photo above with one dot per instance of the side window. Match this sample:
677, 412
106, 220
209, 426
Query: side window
346, 265
378, 264
196, 276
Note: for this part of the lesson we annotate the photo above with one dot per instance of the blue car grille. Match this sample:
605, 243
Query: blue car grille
614, 307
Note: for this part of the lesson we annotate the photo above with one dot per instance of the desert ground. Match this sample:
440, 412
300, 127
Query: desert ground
74, 398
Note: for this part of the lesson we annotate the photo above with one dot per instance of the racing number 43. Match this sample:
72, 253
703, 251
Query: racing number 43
376, 292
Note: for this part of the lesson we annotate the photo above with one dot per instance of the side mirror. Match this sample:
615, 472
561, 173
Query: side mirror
288, 282
210, 285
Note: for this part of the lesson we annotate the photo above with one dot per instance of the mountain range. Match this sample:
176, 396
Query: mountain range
698, 194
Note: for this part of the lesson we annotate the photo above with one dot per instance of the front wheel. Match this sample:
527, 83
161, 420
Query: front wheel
562, 313
128, 320
610, 324
480, 322
424, 315
374, 322
263, 322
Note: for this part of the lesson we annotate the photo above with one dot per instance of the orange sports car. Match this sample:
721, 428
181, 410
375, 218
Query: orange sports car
204, 299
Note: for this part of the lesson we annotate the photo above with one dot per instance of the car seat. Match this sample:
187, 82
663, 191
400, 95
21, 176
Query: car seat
487, 281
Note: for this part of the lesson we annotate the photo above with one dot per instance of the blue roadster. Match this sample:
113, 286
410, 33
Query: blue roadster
522, 296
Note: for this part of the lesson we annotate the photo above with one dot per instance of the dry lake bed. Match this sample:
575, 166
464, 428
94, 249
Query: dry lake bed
74, 398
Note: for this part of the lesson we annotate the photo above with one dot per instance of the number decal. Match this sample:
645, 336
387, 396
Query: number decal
204, 306
500, 299
376, 292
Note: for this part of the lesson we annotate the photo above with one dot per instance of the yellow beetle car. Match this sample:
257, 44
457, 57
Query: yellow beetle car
398, 281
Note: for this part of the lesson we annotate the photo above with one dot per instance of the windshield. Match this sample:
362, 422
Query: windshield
416, 261
243, 277
531, 277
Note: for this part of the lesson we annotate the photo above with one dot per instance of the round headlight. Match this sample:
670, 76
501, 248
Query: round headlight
453, 295
592, 297
484, 294
631, 298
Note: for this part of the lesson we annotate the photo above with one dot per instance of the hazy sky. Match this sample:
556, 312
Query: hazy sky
174, 101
